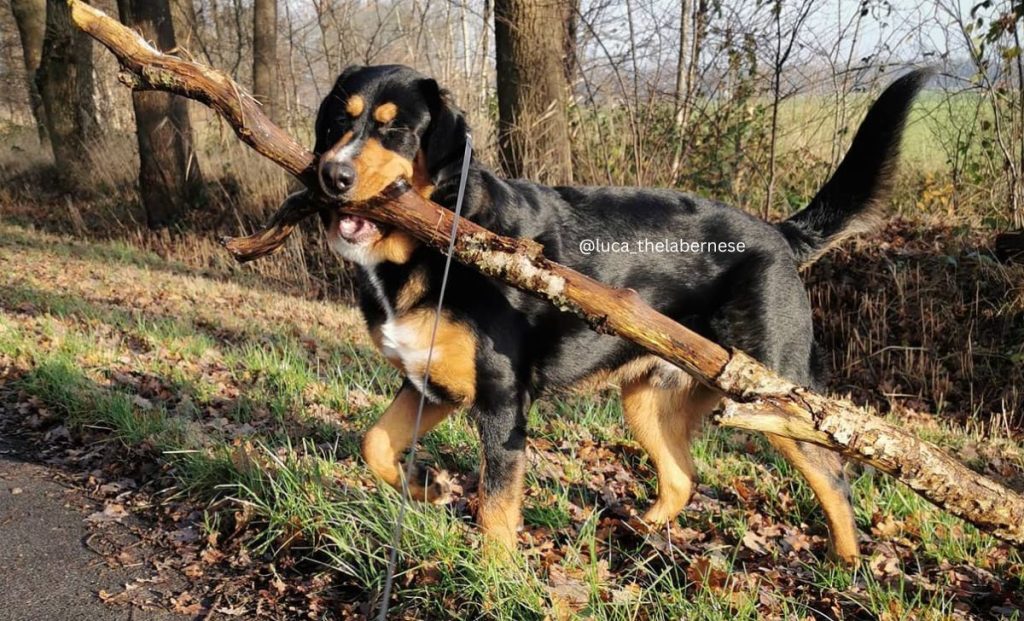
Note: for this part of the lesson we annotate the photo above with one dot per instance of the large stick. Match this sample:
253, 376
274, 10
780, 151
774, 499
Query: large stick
758, 399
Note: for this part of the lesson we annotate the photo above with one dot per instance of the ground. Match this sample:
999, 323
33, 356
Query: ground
218, 420
64, 550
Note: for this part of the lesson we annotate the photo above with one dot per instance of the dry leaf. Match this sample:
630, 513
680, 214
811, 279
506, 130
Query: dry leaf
755, 542
568, 595
113, 512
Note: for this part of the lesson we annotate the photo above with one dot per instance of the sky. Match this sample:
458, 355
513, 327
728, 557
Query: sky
909, 27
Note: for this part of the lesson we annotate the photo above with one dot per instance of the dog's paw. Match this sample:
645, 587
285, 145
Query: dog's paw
433, 486
442, 489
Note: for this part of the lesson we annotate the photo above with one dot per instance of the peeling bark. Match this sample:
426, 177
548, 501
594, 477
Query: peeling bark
769, 404
757, 399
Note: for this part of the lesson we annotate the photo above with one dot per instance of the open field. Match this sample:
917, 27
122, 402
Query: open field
807, 125
252, 402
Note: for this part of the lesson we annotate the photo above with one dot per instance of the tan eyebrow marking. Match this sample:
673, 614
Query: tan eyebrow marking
354, 106
385, 113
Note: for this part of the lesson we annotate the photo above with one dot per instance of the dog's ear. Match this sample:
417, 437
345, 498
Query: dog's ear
323, 116
444, 140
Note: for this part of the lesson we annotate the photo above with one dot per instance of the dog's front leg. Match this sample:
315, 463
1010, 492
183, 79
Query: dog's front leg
502, 424
392, 434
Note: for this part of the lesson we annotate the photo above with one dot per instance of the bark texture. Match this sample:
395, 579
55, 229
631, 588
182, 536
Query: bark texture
149, 69
65, 82
264, 55
30, 16
758, 399
169, 175
533, 126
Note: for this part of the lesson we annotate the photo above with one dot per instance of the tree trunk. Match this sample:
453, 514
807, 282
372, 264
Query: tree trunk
533, 126
756, 398
65, 82
570, 37
264, 54
680, 96
169, 176
30, 16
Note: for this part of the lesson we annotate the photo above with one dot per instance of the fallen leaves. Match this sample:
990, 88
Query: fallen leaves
186, 604
742, 542
755, 541
568, 595
112, 512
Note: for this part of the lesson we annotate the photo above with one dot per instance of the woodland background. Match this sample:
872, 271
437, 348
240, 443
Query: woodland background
752, 103
121, 317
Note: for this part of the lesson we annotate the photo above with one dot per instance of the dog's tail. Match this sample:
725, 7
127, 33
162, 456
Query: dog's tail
851, 201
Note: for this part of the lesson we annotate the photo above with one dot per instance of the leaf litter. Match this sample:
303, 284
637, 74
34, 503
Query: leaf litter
745, 543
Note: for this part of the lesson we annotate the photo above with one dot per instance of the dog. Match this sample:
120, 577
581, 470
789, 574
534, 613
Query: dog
497, 348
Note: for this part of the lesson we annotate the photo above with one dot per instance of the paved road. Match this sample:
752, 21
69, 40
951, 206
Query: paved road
46, 571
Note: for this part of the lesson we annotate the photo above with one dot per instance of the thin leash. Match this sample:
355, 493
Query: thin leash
396, 535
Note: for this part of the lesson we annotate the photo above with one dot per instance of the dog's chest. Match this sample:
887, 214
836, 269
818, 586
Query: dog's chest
405, 342
404, 338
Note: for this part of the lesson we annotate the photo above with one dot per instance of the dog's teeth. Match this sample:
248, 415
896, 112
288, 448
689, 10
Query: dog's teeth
349, 226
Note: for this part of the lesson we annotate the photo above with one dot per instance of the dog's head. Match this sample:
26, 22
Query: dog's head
377, 125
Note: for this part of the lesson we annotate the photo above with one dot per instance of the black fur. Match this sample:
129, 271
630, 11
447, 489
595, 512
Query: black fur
853, 198
753, 300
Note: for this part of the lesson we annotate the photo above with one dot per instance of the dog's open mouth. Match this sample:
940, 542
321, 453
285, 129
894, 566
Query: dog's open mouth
358, 230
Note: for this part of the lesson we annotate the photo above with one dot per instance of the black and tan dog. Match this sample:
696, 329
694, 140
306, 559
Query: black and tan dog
498, 348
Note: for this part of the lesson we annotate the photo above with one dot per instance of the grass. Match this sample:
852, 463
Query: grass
255, 402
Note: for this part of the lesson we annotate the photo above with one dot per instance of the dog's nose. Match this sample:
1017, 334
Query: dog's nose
336, 177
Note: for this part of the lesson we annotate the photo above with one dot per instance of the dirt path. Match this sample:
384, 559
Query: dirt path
52, 563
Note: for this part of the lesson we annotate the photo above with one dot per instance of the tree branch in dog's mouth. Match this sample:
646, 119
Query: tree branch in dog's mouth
299, 207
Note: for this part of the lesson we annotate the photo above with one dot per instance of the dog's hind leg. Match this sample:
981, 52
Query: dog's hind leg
392, 434
769, 316
663, 420
823, 470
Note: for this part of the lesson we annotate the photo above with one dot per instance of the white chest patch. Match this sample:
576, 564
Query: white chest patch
379, 293
404, 345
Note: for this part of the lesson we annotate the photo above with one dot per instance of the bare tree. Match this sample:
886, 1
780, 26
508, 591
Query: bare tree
692, 20
30, 16
264, 54
65, 82
784, 40
999, 77
169, 176
533, 130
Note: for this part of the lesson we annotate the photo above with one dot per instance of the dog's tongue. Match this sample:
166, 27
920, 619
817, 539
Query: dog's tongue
355, 229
